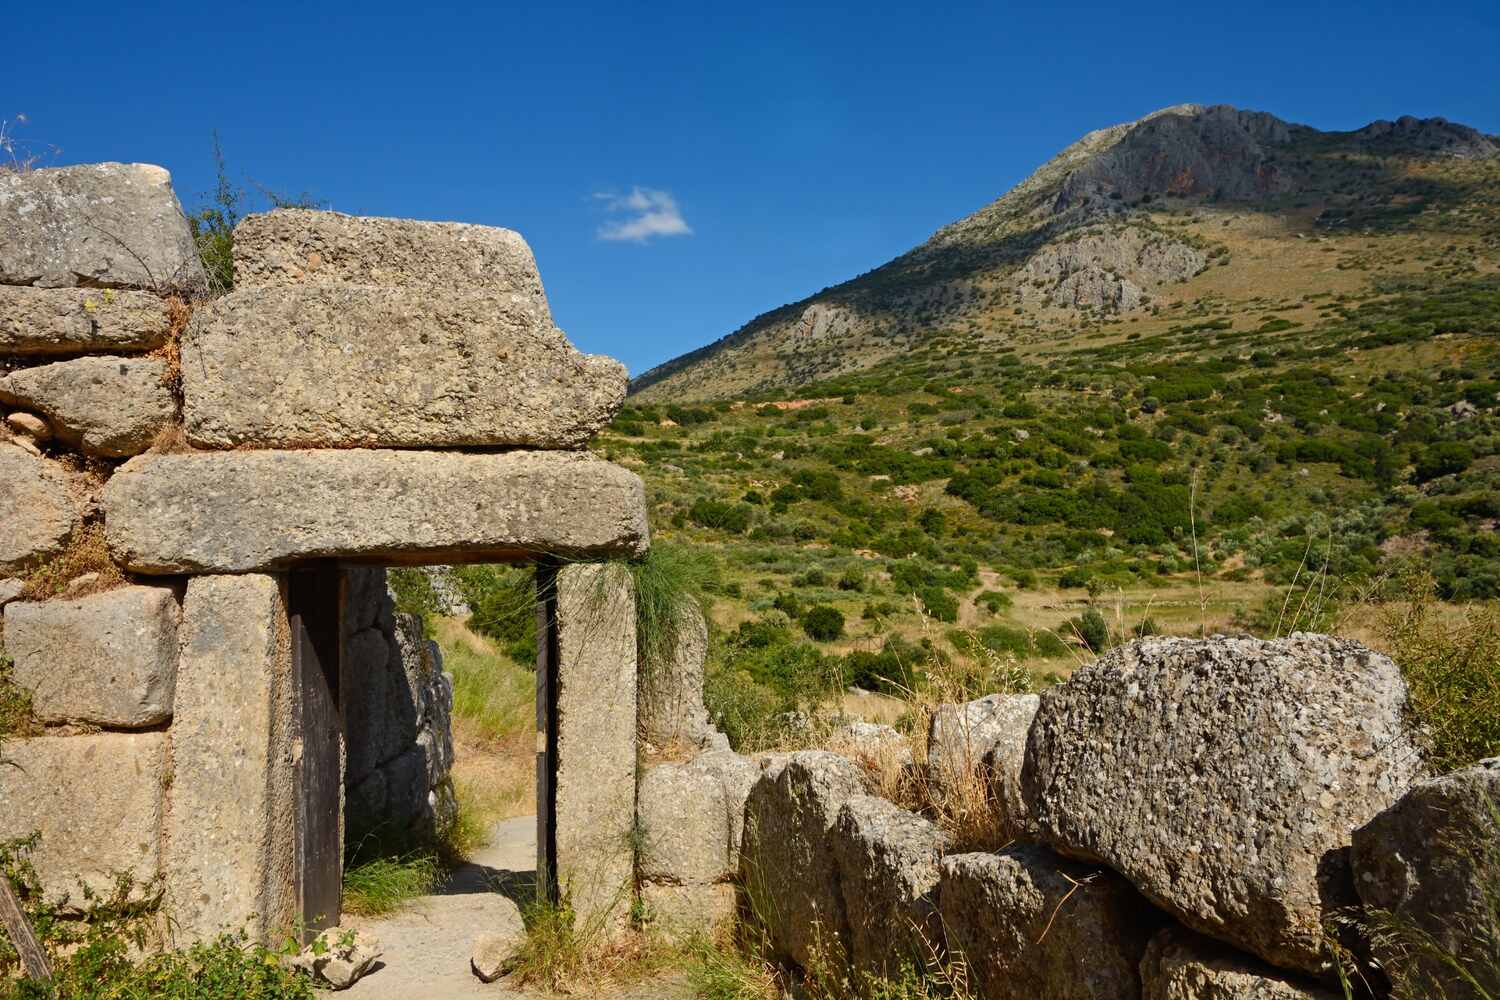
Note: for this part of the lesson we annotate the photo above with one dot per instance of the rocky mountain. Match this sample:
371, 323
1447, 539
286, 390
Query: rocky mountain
1188, 202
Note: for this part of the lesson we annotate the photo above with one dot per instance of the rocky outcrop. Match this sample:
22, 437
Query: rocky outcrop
234, 512
336, 365
107, 406
44, 321
97, 802
101, 225
1223, 777
107, 660
887, 863
787, 865
1029, 924
35, 508
1181, 965
984, 740
1431, 863
1107, 269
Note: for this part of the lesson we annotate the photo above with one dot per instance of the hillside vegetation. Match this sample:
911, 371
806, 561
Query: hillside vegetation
1206, 371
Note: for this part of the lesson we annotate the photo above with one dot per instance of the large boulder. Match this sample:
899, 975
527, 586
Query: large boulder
234, 512
35, 507
1431, 865
1029, 924
787, 865
296, 246
335, 365
109, 659
1181, 965
97, 802
1223, 777
76, 320
104, 225
984, 740
887, 862
112, 407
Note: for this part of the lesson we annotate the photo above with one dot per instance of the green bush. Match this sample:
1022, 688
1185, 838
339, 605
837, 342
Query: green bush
502, 606
1092, 629
823, 623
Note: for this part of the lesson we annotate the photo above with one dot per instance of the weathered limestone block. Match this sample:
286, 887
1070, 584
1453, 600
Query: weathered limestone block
76, 320
1433, 860
292, 246
230, 842
684, 825
97, 802
1030, 924
503, 936
1181, 965
1223, 777
11, 590
107, 406
671, 691
595, 705
35, 508
787, 864
964, 742
887, 860
111, 225
871, 743
235, 512
109, 659
678, 912
331, 365
736, 776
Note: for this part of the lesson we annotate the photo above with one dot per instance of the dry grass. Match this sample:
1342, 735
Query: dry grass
87, 553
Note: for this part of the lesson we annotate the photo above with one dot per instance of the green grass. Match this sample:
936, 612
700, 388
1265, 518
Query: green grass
491, 692
383, 885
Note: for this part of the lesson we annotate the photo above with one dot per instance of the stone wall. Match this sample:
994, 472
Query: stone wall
1181, 819
372, 392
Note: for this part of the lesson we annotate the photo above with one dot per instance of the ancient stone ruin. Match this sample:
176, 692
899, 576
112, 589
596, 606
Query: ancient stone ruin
198, 498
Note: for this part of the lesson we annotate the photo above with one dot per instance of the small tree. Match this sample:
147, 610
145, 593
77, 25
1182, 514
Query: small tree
823, 623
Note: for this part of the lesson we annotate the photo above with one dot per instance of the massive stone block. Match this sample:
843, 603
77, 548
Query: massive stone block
34, 507
109, 659
107, 406
235, 512
231, 841
292, 246
671, 687
684, 825
787, 863
76, 320
1181, 965
96, 801
1030, 924
332, 365
1224, 777
887, 860
110, 225
984, 740
595, 704
1432, 861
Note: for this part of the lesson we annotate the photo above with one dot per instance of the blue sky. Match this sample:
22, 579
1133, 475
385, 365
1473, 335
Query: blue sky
742, 156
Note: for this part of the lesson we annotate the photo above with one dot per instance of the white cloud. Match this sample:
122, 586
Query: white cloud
644, 213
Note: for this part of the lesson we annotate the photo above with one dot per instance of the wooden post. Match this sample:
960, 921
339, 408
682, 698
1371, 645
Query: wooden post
546, 730
33, 959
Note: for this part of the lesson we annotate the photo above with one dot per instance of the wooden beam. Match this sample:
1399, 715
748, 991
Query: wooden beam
33, 958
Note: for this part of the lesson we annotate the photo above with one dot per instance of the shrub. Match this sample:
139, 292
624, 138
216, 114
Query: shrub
720, 515
823, 623
1443, 459
1452, 668
938, 603
502, 605
1092, 629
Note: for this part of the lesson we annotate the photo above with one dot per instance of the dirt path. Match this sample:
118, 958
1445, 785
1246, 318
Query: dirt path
426, 946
